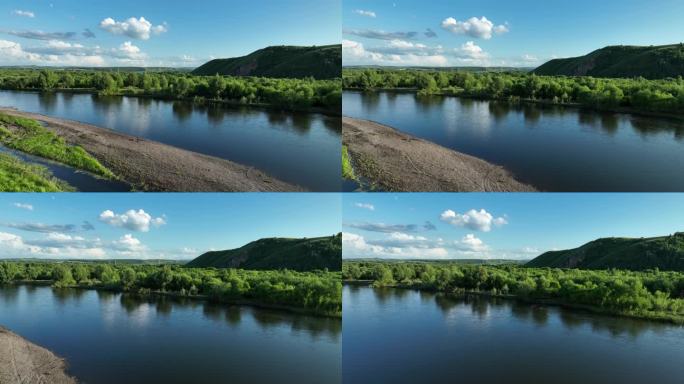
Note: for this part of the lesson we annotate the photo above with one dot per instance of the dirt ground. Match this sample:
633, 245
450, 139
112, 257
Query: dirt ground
395, 161
149, 165
22, 362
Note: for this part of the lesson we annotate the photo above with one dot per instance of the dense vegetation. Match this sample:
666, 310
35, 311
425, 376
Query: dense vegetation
319, 292
649, 294
29, 136
652, 62
281, 93
664, 253
347, 169
324, 62
279, 253
19, 176
635, 94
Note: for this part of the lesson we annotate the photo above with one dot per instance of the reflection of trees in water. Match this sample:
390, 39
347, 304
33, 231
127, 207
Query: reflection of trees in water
370, 102
427, 104
105, 105
531, 113
48, 101
9, 293
302, 122
333, 124
182, 111
650, 126
314, 326
614, 326
65, 295
384, 294
499, 110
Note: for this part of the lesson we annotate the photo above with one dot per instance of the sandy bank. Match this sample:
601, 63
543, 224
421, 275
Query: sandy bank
153, 166
22, 362
400, 162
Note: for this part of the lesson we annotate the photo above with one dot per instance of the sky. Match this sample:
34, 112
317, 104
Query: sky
158, 32
521, 33
498, 225
156, 225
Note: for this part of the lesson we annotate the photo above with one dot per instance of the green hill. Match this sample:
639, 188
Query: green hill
278, 253
665, 253
324, 62
653, 62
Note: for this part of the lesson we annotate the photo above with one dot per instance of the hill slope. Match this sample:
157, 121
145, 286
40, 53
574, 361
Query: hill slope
278, 253
324, 62
653, 62
665, 253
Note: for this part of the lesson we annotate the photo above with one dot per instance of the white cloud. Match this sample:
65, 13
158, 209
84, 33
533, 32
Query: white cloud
480, 28
397, 52
470, 51
19, 12
397, 245
134, 220
470, 242
27, 207
476, 220
369, 207
362, 12
54, 52
134, 28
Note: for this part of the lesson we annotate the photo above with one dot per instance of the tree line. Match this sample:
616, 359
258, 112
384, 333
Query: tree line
283, 93
638, 94
317, 292
649, 294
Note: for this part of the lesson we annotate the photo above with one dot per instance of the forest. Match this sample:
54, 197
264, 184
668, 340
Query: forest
318, 292
291, 94
633, 94
651, 294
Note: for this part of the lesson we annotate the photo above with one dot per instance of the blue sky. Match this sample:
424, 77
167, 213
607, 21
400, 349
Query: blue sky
492, 225
495, 32
153, 225
158, 33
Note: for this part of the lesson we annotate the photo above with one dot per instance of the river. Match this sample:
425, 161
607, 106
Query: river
113, 338
408, 336
552, 148
300, 148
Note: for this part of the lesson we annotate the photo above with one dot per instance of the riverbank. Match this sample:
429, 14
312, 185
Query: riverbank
672, 319
517, 101
400, 162
22, 362
152, 166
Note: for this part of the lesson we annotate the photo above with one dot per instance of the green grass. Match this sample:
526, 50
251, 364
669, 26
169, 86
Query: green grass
30, 137
347, 169
18, 176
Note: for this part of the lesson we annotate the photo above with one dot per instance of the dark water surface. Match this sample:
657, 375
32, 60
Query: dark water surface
113, 338
552, 148
406, 336
300, 148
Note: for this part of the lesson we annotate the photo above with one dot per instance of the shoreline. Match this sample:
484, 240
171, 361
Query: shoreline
23, 362
160, 294
548, 302
578, 106
152, 166
397, 161
192, 100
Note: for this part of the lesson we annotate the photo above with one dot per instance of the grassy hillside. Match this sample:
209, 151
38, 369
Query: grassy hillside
278, 253
664, 253
652, 62
324, 62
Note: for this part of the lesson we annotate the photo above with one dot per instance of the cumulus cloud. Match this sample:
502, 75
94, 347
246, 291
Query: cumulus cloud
133, 28
369, 207
476, 220
400, 246
470, 51
392, 228
134, 220
53, 245
54, 52
379, 34
362, 12
471, 243
19, 12
480, 28
27, 207
397, 53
